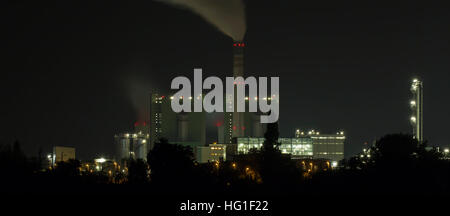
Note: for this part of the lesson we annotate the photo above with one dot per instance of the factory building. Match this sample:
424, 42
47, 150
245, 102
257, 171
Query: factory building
309, 144
211, 153
132, 145
188, 129
297, 147
325, 146
416, 105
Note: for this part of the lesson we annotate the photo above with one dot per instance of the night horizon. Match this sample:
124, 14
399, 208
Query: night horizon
361, 87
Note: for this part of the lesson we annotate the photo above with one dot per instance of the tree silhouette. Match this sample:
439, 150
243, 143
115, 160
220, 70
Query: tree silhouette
68, 169
398, 163
271, 136
171, 164
14, 163
138, 172
396, 147
276, 170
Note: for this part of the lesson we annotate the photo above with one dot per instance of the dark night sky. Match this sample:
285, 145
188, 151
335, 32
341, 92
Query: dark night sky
70, 64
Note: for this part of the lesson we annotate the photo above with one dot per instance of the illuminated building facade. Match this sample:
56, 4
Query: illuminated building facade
296, 147
326, 146
211, 153
309, 144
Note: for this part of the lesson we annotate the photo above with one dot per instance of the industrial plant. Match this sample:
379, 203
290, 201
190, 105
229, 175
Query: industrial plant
237, 132
134, 144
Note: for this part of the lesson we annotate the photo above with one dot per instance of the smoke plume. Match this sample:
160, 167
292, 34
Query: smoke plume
227, 15
140, 98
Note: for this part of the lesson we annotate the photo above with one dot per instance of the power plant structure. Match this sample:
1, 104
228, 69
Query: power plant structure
134, 144
237, 133
234, 121
239, 124
189, 128
325, 146
184, 128
305, 145
416, 105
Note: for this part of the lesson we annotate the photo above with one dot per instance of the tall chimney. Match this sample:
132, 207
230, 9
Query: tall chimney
238, 71
234, 124
238, 58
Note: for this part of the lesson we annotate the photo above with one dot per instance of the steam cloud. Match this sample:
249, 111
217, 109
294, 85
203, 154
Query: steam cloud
227, 15
139, 95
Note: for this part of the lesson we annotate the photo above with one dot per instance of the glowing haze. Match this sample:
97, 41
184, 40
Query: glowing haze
227, 15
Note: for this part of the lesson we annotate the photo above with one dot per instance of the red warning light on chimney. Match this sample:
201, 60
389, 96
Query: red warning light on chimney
218, 124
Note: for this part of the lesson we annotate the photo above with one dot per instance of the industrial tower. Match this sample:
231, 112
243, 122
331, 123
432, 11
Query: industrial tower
234, 121
417, 109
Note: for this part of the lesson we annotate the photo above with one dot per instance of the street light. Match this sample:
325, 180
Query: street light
334, 164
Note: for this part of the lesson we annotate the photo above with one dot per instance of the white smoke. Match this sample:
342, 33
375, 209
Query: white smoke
139, 92
227, 15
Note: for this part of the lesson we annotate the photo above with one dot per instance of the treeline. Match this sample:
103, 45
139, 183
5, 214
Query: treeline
396, 164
